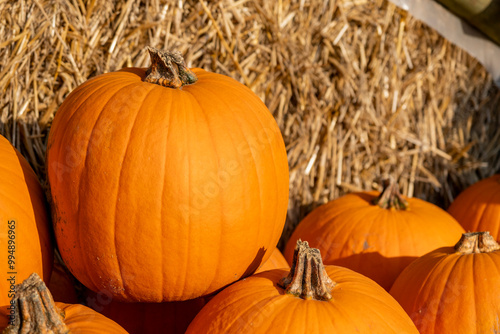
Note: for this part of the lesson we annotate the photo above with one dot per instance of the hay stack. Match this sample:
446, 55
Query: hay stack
359, 88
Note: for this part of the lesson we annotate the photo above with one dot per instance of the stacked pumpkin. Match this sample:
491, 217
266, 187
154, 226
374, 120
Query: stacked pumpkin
24, 221
29, 250
169, 189
477, 208
376, 234
454, 289
167, 184
25, 234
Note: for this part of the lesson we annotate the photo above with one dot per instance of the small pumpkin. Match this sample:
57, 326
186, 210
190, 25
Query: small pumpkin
454, 289
376, 234
477, 208
34, 311
275, 261
165, 187
146, 318
25, 240
310, 298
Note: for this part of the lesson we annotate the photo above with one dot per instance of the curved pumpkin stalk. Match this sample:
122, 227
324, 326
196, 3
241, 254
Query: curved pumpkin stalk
307, 277
35, 311
390, 197
476, 242
168, 69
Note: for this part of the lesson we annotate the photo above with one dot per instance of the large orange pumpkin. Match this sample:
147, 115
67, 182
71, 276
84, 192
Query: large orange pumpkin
477, 208
376, 234
310, 298
25, 241
34, 311
454, 289
161, 193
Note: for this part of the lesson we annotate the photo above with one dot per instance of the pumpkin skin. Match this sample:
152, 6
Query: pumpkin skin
477, 208
258, 304
378, 243
22, 199
275, 261
446, 291
147, 318
164, 194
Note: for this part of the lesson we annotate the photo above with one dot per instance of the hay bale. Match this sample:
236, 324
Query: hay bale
358, 88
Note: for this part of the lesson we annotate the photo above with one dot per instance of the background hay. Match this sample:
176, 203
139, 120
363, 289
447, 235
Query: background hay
359, 88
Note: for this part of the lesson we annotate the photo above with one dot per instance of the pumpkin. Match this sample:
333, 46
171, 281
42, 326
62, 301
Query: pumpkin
310, 298
454, 289
376, 234
477, 208
275, 261
25, 240
34, 311
146, 318
165, 193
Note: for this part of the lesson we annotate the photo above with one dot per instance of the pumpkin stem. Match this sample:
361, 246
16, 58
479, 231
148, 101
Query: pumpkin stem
35, 311
476, 242
168, 69
307, 278
390, 197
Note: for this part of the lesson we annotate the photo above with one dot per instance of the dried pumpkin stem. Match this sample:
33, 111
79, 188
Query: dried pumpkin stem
390, 197
168, 69
476, 242
307, 277
35, 311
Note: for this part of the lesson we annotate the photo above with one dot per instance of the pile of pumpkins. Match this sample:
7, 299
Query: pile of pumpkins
168, 192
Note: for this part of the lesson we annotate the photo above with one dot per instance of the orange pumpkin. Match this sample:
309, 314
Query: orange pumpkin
311, 299
376, 240
477, 208
165, 194
275, 261
454, 289
146, 318
34, 311
25, 240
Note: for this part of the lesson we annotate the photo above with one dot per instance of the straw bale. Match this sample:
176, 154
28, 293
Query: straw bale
359, 88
